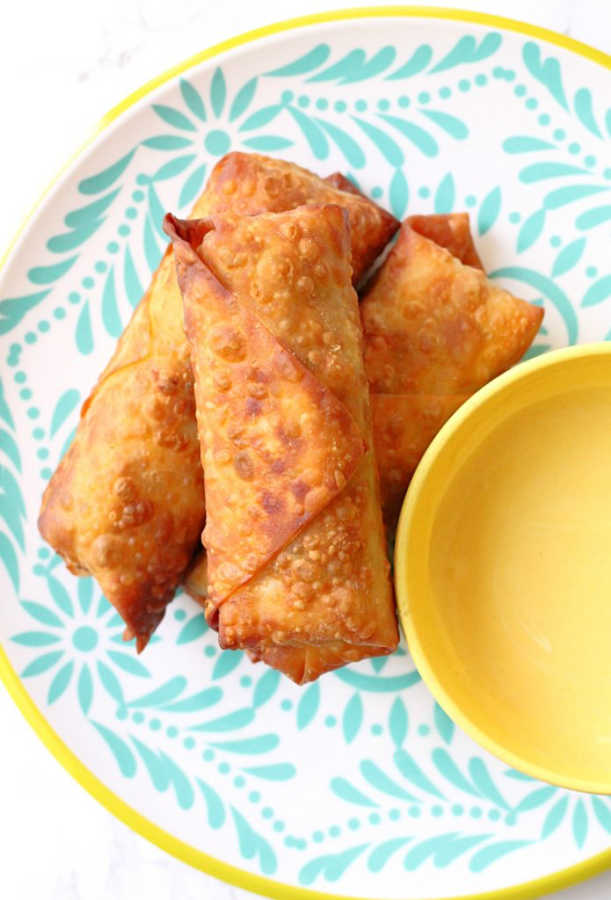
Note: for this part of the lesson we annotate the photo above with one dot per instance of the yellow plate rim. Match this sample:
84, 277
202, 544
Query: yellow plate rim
138, 823
406, 529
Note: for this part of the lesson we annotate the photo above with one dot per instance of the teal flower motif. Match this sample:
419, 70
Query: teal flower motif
80, 642
214, 124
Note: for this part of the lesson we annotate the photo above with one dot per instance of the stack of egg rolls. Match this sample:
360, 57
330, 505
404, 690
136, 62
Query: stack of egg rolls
126, 503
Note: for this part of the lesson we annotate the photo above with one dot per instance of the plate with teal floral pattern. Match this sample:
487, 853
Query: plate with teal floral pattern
357, 785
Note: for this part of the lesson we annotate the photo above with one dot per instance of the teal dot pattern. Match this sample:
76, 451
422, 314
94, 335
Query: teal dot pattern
214, 737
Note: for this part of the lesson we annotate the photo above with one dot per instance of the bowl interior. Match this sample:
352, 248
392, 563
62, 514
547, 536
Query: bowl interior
504, 568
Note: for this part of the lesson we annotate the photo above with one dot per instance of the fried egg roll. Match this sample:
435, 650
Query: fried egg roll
126, 502
435, 331
297, 570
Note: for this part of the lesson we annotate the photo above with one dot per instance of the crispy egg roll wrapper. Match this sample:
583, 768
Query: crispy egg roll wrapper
403, 425
435, 331
297, 569
126, 502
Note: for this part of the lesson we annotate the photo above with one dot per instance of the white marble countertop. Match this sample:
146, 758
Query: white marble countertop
62, 65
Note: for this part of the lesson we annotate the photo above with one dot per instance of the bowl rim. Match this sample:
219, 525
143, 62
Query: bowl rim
409, 510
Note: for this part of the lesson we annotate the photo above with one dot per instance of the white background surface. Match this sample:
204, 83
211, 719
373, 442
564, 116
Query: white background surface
63, 64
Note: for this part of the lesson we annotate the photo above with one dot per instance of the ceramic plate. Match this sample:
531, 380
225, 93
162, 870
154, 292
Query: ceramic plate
358, 784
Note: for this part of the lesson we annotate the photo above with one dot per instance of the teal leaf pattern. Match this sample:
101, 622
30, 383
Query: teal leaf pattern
352, 717
49, 274
102, 181
445, 194
163, 695
489, 211
261, 117
129, 663
64, 406
593, 217
311, 132
388, 147
218, 92
377, 684
60, 595
13, 309
583, 109
131, 281
331, 865
174, 117
467, 50
418, 61
554, 817
347, 791
42, 663
35, 638
381, 854
192, 629
60, 682
84, 215
597, 292
167, 142
416, 135
110, 310
252, 844
276, 772
580, 823
118, 747
383, 782
398, 196
546, 71
84, 334
193, 99
568, 257
110, 682
453, 126
350, 149
173, 168
42, 614
602, 813
196, 702
226, 663
308, 705
85, 689
444, 724
398, 722
214, 805
311, 60
262, 744
525, 143
267, 143
10, 449
265, 688
243, 99
534, 799
490, 854
480, 776
530, 230
192, 186
9, 559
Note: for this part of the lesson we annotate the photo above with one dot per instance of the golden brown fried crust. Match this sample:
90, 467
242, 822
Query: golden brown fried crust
126, 503
246, 183
435, 332
450, 231
271, 296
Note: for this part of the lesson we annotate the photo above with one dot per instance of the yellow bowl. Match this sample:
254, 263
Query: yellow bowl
503, 567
